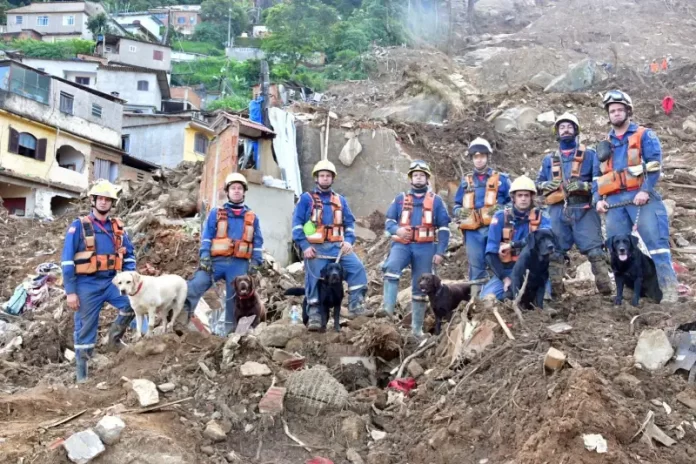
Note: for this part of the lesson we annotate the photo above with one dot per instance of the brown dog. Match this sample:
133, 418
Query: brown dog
246, 301
444, 298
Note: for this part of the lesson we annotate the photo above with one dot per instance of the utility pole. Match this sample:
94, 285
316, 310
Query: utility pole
229, 28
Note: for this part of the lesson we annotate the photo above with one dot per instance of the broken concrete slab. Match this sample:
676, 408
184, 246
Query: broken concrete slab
653, 350
295, 268
350, 151
516, 119
278, 335
272, 401
579, 76
560, 327
687, 398
109, 429
146, 391
83, 446
254, 369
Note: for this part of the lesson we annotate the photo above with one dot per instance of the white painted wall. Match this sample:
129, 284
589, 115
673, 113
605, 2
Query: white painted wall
62, 68
126, 84
274, 208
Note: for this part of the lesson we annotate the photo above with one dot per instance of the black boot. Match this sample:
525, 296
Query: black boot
118, 329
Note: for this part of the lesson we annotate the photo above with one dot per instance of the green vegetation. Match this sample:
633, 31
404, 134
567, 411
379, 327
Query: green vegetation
59, 50
204, 48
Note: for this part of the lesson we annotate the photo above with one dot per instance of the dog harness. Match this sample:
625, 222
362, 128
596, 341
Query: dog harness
222, 245
509, 233
89, 261
330, 232
558, 195
615, 181
480, 217
425, 233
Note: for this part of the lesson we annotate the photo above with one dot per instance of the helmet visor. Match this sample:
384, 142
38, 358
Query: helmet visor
419, 165
615, 96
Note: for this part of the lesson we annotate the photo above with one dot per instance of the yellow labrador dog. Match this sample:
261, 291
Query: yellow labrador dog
150, 295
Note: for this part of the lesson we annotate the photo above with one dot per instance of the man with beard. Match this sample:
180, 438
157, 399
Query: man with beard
565, 179
626, 187
507, 235
324, 228
418, 224
96, 248
231, 245
481, 194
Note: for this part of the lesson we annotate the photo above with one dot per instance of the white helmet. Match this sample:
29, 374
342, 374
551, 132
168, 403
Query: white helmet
480, 145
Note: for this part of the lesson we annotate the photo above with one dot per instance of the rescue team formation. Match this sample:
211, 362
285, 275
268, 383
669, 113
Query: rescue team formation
579, 184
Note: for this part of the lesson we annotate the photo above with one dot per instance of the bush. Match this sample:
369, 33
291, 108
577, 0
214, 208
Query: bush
65, 49
203, 48
230, 103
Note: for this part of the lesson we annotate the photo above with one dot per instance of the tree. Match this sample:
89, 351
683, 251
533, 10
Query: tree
99, 25
210, 32
299, 29
217, 12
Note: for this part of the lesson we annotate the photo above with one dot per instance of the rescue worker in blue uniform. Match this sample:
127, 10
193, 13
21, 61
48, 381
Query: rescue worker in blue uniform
507, 235
481, 194
418, 224
626, 192
231, 240
96, 248
324, 227
566, 181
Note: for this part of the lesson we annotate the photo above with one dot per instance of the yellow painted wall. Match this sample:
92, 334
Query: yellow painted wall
45, 170
189, 144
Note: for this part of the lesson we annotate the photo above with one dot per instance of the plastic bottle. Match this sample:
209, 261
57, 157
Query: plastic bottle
295, 316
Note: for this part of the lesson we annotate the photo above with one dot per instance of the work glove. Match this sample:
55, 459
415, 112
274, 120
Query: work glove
206, 264
578, 186
494, 209
550, 186
463, 213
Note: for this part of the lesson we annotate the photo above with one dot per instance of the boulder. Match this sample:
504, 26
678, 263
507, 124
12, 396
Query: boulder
516, 119
216, 431
278, 335
540, 80
653, 350
404, 298
350, 151
83, 446
365, 234
547, 119
146, 391
109, 429
166, 387
579, 76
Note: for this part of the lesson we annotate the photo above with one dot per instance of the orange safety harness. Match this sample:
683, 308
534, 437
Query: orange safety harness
615, 181
558, 195
425, 233
480, 217
89, 261
509, 232
333, 232
222, 245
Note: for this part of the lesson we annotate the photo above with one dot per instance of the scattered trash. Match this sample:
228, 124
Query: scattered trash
595, 442
403, 385
560, 328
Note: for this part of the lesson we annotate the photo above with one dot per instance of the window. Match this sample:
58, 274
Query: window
82, 80
27, 145
157, 55
181, 20
42, 20
96, 110
193, 20
66, 103
68, 20
105, 169
125, 143
201, 144
131, 48
143, 85
18, 19
109, 49
30, 84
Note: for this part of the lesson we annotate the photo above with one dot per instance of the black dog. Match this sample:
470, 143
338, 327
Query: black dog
443, 298
535, 257
330, 295
632, 267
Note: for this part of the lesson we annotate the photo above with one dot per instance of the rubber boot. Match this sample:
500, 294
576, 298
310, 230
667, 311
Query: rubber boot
357, 306
314, 322
670, 294
556, 273
391, 290
81, 365
417, 316
118, 329
600, 269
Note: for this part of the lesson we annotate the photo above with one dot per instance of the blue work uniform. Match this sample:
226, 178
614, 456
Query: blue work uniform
418, 255
93, 290
520, 224
653, 224
475, 240
327, 252
224, 267
577, 222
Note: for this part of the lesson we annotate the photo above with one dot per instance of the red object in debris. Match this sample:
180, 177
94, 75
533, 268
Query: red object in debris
679, 268
294, 364
668, 105
58, 442
405, 385
199, 325
272, 401
319, 460
684, 290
